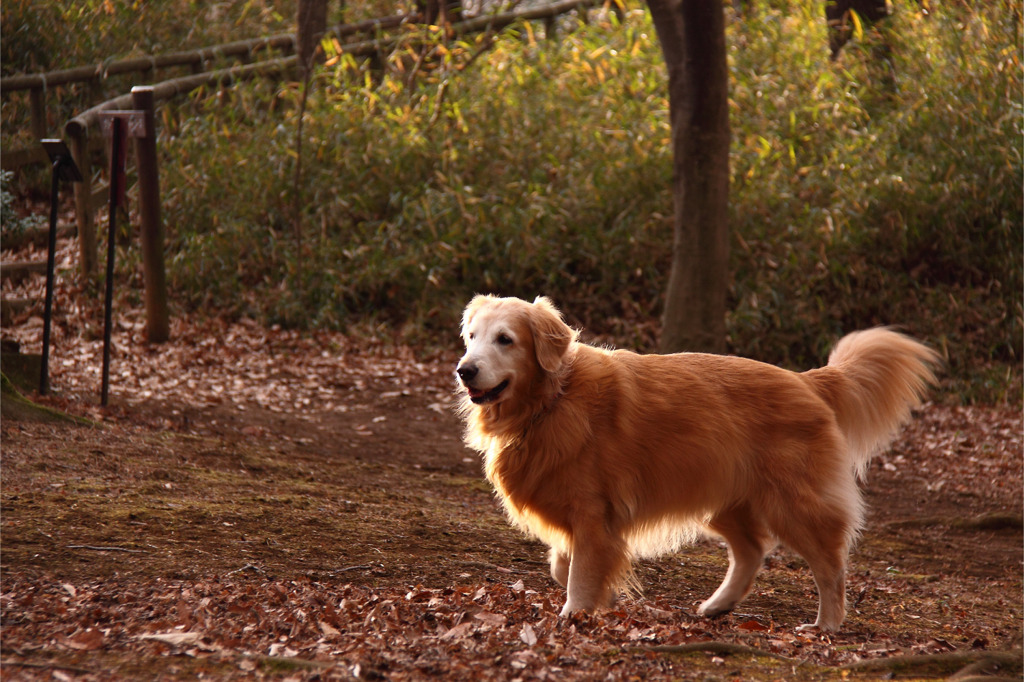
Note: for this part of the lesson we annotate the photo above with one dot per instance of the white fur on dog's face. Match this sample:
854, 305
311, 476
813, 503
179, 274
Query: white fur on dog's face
498, 347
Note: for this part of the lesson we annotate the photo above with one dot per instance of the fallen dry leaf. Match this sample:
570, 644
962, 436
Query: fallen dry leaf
174, 638
280, 515
89, 639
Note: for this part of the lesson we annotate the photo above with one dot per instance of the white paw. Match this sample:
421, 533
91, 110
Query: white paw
813, 628
573, 606
712, 608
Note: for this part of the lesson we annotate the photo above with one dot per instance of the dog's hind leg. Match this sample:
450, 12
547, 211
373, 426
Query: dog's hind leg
830, 578
826, 555
822, 536
747, 542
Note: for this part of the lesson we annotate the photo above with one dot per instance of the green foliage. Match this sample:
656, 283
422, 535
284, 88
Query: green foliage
44, 36
416, 196
883, 188
880, 189
891, 195
13, 225
40, 36
47, 36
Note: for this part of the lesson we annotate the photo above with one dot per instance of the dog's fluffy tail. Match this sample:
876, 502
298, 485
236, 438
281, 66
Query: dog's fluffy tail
873, 379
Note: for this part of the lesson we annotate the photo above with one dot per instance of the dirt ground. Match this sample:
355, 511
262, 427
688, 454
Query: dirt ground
262, 504
256, 503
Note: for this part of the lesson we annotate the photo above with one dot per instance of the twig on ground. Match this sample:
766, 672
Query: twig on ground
983, 669
1009, 660
293, 662
48, 666
991, 521
713, 648
247, 567
106, 549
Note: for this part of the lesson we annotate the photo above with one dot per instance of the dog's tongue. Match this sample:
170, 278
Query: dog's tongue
475, 392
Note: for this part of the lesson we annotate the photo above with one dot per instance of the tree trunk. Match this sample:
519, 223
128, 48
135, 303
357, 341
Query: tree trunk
312, 23
692, 37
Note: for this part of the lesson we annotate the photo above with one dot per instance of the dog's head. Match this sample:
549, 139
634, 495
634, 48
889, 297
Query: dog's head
513, 348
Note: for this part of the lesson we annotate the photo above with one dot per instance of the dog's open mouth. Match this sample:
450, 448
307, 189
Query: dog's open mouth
480, 397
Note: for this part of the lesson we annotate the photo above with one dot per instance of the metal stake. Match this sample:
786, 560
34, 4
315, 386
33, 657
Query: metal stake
116, 180
63, 168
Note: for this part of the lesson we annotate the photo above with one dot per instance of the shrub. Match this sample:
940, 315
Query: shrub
883, 188
880, 189
416, 196
891, 196
12, 224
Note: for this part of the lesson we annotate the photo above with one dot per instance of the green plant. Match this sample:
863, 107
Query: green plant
425, 193
48, 36
13, 225
863, 191
866, 205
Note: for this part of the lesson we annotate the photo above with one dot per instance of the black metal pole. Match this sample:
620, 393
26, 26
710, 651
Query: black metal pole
115, 190
51, 255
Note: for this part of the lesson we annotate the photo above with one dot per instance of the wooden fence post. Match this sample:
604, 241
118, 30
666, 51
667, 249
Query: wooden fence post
83, 202
151, 229
37, 109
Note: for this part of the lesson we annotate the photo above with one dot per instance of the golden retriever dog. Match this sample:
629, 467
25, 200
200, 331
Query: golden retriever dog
607, 455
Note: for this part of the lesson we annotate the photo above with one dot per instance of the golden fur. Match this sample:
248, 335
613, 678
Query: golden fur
606, 455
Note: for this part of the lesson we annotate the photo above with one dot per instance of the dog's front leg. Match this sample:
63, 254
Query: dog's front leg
598, 560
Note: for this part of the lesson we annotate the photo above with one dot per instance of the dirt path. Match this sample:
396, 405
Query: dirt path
257, 503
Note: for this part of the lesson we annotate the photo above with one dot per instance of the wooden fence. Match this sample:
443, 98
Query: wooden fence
39, 85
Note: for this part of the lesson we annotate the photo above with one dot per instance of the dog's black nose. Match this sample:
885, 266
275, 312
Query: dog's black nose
467, 372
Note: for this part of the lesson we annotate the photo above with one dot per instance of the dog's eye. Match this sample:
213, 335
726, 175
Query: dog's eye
504, 340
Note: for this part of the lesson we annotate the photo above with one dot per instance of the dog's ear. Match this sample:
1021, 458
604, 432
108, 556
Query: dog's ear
471, 308
551, 335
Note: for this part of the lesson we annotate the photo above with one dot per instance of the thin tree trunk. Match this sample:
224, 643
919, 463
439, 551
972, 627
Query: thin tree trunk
692, 37
312, 23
